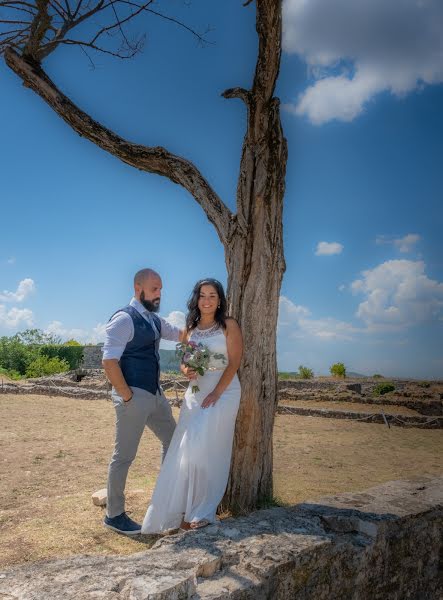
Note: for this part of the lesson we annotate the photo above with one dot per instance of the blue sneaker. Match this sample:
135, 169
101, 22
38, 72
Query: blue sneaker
122, 524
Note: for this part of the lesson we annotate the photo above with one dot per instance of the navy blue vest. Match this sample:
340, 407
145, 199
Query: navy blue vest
140, 361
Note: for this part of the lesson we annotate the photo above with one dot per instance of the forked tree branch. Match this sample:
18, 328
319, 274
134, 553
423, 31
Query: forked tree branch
145, 158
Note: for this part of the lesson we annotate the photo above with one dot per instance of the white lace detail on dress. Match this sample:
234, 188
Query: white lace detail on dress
201, 334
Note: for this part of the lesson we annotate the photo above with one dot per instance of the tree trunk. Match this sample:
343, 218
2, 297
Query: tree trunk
255, 264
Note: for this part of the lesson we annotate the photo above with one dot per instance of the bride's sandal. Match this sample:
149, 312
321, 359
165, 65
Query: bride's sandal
199, 524
184, 526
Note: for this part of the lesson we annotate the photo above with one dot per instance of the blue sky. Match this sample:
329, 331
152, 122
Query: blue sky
362, 218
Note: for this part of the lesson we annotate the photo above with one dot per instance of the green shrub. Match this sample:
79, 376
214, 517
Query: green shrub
305, 372
383, 388
15, 355
338, 370
71, 343
73, 355
377, 376
15, 375
44, 365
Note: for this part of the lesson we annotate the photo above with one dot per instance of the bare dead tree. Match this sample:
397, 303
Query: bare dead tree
252, 236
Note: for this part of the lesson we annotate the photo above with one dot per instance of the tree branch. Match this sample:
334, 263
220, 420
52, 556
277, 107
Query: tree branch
238, 92
150, 159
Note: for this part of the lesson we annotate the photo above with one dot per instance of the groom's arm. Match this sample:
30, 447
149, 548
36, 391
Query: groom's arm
119, 331
170, 332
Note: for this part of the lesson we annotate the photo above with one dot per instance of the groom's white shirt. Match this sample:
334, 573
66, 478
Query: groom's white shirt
120, 330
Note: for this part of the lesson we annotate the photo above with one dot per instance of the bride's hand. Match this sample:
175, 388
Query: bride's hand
188, 372
210, 400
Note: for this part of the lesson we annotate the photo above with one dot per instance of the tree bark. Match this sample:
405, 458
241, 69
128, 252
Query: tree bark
252, 238
255, 264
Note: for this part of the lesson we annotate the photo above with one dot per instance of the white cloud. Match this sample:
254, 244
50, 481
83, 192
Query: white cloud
295, 321
25, 287
355, 50
15, 316
97, 333
81, 335
178, 319
327, 248
398, 295
404, 244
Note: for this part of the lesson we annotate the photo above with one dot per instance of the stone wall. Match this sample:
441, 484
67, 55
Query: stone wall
380, 544
92, 357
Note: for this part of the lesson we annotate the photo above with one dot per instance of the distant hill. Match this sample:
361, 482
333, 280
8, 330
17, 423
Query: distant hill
168, 361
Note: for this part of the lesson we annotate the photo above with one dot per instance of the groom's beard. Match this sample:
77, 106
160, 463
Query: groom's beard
151, 305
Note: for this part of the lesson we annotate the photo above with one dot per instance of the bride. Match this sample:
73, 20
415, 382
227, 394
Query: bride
194, 474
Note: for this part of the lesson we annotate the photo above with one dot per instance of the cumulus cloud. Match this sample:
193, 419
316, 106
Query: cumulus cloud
356, 50
328, 248
398, 294
295, 321
97, 334
84, 336
14, 317
25, 287
404, 244
176, 318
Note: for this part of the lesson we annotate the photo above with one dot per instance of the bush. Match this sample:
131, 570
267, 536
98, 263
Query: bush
384, 388
43, 365
10, 374
15, 355
377, 376
73, 355
338, 370
305, 372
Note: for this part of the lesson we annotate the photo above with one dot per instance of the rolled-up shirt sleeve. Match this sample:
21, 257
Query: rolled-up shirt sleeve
119, 331
169, 332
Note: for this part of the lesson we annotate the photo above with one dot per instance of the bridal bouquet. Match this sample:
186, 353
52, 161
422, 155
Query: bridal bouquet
196, 356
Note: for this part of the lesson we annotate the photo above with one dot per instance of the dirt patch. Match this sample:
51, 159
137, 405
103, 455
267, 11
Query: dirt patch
354, 406
55, 453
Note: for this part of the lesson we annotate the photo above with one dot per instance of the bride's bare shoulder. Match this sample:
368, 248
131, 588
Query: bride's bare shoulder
231, 325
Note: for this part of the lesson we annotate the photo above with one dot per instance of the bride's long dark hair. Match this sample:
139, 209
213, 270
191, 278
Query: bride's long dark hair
193, 316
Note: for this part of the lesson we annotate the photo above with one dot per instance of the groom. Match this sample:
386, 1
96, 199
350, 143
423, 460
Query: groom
131, 363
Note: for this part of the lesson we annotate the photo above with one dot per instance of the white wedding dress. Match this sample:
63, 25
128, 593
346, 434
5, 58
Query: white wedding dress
194, 473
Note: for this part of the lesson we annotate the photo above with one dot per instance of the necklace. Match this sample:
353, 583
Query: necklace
208, 328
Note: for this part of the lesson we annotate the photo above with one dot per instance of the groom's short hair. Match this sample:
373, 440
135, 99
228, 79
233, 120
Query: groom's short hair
144, 274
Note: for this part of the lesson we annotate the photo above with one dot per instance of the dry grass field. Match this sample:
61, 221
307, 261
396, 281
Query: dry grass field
55, 453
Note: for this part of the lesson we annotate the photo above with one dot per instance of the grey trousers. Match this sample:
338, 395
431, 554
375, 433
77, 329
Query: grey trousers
143, 410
